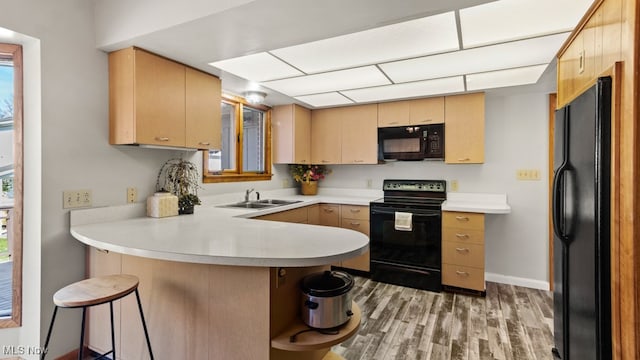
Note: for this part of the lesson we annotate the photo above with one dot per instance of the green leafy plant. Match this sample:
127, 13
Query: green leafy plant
181, 178
307, 173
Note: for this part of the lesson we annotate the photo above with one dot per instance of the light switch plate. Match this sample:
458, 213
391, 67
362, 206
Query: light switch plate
76, 199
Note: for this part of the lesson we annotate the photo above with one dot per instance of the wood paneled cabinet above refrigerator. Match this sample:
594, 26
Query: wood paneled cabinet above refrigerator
157, 101
411, 112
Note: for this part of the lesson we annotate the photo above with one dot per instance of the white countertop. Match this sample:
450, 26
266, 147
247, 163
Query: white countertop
224, 236
477, 202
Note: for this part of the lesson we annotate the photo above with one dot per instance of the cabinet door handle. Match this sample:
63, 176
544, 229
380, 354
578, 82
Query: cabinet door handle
358, 161
427, 120
303, 161
325, 161
462, 249
205, 143
462, 273
462, 218
354, 210
464, 159
393, 123
162, 138
329, 210
462, 236
355, 223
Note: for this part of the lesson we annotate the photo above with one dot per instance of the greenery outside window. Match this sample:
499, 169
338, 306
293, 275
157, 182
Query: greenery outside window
246, 144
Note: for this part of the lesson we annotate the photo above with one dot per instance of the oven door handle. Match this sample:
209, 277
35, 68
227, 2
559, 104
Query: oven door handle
416, 214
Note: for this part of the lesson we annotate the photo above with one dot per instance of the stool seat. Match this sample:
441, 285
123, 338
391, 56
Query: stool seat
95, 291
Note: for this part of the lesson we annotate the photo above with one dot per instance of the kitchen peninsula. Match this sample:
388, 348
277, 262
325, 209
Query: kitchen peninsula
214, 285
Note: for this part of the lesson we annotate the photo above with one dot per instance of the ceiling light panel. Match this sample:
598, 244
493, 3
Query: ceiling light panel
327, 99
503, 78
429, 35
507, 20
489, 58
407, 90
330, 81
257, 67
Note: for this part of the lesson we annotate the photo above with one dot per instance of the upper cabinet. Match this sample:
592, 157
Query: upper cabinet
156, 101
464, 129
360, 134
411, 112
291, 133
326, 139
345, 135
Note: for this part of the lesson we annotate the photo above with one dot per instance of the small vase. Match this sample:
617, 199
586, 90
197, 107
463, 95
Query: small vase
309, 188
186, 210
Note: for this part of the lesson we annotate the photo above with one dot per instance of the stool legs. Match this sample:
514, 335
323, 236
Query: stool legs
81, 352
144, 325
113, 333
46, 343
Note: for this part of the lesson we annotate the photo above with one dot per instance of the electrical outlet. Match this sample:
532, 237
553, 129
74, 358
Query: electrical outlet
76, 198
132, 195
454, 185
369, 183
528, 174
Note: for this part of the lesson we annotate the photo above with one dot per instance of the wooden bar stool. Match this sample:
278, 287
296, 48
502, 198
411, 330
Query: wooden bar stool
96, 291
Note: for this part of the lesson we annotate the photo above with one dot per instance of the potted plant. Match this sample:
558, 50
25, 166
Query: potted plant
308, 177
181, 178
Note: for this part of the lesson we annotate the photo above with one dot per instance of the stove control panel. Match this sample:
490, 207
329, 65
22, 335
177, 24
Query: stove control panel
415, 185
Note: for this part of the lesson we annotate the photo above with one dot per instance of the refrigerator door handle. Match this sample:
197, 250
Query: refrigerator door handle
558, 202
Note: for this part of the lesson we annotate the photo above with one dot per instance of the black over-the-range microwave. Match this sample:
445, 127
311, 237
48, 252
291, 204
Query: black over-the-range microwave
411, 142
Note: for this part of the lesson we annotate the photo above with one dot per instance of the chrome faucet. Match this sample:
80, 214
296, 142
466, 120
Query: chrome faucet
257, 196
246, 195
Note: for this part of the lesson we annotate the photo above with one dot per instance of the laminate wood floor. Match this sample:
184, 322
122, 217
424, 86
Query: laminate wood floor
510, 323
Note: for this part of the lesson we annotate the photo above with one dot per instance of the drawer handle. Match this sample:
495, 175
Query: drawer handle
358, 161
464, 159
355, 223
329, 210
462, 249
354, 210
162, 138
462, 236
462, 218
205, 143
102, 250
462, 273
325, 161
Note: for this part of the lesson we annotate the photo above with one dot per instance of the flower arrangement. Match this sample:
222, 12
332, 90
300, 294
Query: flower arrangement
307, 173
181, 178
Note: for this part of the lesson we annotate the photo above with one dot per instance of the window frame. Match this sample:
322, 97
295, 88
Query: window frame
237, 174
14, 52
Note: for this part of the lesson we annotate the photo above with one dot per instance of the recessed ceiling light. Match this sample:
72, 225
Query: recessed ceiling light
407, 90
507, 20
508, 55
257, 67
503, 78
429, 35
330, 81
326, 99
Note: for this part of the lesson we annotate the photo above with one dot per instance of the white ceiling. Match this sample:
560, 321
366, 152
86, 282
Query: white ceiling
335, 52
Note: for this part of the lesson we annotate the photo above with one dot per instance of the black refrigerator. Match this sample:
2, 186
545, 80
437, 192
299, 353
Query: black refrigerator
581, 226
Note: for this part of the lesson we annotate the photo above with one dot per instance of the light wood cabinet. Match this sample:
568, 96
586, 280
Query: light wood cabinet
359, 134
411, 112
203, 119
156, 101
326, 142
291, 132
299, 215
329, 215
464, 129
356, 218
463, 250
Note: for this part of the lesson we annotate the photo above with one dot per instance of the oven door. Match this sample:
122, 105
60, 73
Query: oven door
420, 247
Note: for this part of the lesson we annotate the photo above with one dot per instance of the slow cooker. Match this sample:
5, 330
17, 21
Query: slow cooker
326, 300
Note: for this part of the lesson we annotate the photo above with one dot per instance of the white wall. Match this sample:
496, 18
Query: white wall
516, 137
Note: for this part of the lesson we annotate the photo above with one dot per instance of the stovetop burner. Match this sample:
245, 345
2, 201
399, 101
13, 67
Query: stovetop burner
416, 192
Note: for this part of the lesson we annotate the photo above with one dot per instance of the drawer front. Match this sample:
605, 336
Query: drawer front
293, 216
357, 225
463, 220
462, 235
330, 215
456, 253
463, 277
355, 212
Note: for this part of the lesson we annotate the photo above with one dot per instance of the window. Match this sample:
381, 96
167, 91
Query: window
246, 144
11, 180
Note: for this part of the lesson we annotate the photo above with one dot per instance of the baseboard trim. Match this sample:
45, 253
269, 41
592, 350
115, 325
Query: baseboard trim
518, 281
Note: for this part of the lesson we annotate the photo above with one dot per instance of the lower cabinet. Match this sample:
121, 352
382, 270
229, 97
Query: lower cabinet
356, 218
463, 250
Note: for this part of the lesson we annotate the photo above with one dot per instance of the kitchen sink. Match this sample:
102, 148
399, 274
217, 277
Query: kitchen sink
260, 204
